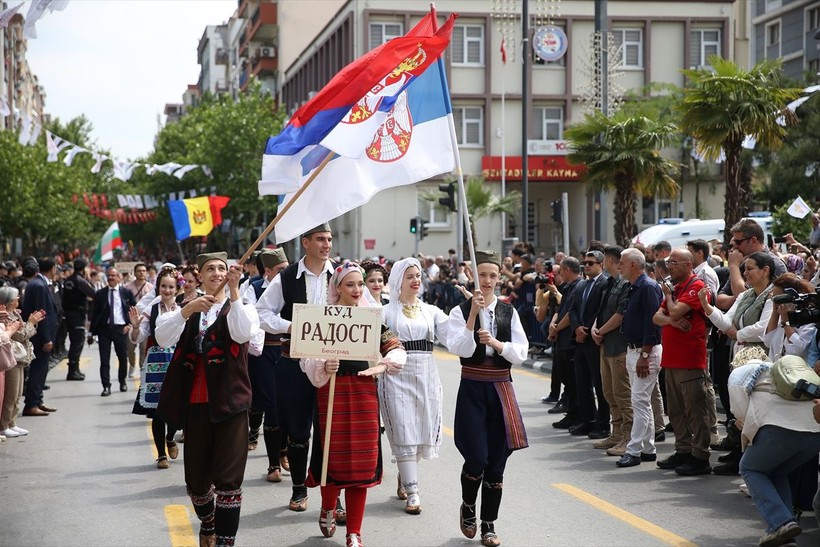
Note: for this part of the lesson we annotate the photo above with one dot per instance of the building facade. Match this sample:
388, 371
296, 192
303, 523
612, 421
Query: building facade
22, 94
655, 40
786, 29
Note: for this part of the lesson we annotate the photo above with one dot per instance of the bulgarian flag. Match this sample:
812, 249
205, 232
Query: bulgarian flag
110, 240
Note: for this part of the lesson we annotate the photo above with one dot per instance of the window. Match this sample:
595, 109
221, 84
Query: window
468, 45
813, 18
773, 40
653, 209
383, 32
436, 215
548, 123
703, 43
630, 41
469, 122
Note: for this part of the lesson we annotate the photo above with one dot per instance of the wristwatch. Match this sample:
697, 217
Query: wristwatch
645, 354
785, 324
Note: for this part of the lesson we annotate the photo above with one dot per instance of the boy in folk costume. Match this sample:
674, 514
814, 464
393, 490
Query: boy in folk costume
488, 424
207, 390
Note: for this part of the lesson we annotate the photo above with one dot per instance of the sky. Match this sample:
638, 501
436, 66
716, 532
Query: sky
119, 62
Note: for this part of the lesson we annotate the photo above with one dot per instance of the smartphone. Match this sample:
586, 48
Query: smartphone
779, 239
771, 240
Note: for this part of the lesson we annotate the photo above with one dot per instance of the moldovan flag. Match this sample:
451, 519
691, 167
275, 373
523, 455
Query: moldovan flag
196, 216
799, 209
397, 132
110, 240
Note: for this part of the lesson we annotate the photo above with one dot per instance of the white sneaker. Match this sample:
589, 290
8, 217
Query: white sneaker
132, 372
20, 430
10, 433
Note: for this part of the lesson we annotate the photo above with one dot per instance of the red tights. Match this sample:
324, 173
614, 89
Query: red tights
355, 498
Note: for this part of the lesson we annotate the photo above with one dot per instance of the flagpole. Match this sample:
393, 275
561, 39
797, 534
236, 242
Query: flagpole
279, 214
503, 151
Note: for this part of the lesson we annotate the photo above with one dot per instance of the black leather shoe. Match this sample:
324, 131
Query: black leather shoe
673, 461
628, 460
560, 408
598, 434
46, 387
668, 428
724, 444
726, 457
123, 387
550, 399
106, 391
660, 436
728, 468
695, 466
564, 423
580, 429
75, 376
648, 457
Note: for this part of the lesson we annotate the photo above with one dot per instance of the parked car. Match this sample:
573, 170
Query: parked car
678, 234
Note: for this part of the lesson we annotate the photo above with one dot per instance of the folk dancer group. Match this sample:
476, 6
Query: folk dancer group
227, 359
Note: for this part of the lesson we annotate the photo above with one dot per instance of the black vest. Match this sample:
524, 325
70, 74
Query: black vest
503, 325
294, 291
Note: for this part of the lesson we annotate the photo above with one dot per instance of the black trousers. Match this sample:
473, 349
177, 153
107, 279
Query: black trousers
564, 361
37, 372
587, 378
295, 397
263, 383
75, 322
112, 335
479, 431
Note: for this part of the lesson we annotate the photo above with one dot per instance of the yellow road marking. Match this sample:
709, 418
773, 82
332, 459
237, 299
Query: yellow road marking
179, 526
641, 524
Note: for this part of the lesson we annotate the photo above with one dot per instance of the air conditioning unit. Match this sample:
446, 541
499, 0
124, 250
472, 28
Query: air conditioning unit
267, 52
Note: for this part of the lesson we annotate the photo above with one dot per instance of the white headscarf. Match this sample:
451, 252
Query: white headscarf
397, 275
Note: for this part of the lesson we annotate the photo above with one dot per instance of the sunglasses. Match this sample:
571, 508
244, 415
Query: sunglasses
739, 241
675, 262
590, 262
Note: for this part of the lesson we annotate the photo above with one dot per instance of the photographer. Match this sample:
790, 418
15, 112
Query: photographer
547, 300
781, 337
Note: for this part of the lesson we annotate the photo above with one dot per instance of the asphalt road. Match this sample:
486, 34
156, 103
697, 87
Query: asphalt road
85, 476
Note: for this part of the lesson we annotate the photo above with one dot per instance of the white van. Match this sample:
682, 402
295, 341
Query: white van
678, 234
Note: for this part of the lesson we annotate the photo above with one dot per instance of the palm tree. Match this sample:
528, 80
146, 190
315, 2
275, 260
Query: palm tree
623, 152
725, 104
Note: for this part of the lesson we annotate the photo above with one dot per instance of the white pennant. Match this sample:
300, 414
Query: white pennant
122, 201
5, 17
99, 159
35, 134
179, 173
25, 131
169, 167
207, 171
36, 11
69, 157
151, 169
799, 209
123, 170
4, 106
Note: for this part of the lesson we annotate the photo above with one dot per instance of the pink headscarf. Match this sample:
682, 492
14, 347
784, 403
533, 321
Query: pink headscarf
336, 280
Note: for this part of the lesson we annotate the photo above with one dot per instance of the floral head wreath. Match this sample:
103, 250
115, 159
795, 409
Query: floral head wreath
336, 279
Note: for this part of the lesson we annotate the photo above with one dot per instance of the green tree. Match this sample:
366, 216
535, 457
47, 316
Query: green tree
44, 205
724, 104
622, 152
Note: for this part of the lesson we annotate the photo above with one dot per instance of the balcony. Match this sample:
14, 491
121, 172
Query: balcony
243, 43
242, 8
221, 86
222, 57
262, 25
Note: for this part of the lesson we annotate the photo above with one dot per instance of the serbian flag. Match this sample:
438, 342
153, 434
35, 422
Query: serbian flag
196, 216
110, 240
375, 147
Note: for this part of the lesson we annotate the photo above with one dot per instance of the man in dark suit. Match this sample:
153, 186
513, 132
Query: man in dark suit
110, 322
586, 301
38, 296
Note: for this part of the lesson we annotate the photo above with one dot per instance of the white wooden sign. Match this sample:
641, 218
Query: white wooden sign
340, 332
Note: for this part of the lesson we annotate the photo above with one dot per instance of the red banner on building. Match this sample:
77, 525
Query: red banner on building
540, 169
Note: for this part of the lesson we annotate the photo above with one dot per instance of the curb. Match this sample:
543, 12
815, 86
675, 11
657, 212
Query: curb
538, 364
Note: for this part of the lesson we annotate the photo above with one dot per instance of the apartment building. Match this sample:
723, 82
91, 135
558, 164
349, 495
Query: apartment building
787, 30
21, 91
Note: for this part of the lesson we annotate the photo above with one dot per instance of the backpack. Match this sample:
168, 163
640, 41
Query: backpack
787, 372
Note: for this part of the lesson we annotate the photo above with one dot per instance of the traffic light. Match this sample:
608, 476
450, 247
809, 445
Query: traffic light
422, 228
450, 200
414, 225
557, 210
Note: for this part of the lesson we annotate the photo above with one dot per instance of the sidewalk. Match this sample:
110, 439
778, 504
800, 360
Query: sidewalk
542, 363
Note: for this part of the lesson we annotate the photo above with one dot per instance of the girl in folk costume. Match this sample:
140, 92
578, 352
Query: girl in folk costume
488, 425
375, 277
207, 390
355, 395
411, 401
157, 359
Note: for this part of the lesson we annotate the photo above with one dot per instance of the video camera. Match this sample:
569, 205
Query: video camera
806, 306
808, 388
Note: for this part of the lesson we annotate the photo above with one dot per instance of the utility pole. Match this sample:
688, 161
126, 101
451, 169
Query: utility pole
525, 116
601, 29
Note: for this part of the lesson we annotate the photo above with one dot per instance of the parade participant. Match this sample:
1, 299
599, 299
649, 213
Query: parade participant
302, 283
143, 328
110, 323
411, 402
375, 279
139, 287
264, 353
355, 459
78, 292
190, 288
488, 424
207, 390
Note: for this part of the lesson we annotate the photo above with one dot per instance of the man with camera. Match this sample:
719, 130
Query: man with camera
563, 353
547, 300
